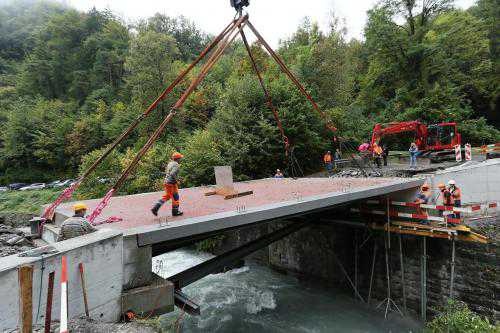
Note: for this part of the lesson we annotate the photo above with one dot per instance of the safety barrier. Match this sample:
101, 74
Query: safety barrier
468, 209
490, 148
468, 152
458, 153
394, 213
447, 210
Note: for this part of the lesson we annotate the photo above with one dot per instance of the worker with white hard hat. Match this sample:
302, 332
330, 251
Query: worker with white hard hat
456, 195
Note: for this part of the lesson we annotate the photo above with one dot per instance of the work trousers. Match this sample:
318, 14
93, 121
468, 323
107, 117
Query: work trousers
413, 160
458, 203
172, 192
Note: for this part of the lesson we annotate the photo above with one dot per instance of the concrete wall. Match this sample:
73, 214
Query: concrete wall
137, 263
479, 182
101, 255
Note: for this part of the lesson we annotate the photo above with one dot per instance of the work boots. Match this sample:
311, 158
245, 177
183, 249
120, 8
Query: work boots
176, 212
157, 207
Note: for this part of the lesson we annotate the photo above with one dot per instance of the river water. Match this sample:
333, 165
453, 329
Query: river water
255, 298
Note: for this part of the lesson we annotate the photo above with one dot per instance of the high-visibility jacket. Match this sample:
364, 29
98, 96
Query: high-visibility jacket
327, 158
445, 198
377, 150
456, 193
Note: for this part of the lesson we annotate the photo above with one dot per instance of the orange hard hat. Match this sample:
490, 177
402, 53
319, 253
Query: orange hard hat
441, 185
177, 155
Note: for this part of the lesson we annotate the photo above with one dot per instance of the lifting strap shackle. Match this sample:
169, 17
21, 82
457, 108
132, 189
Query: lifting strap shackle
194, 83
68, 192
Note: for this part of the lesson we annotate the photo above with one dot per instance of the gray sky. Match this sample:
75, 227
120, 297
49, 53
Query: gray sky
274, 19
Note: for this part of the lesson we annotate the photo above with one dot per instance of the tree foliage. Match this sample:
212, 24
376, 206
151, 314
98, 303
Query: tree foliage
71, 82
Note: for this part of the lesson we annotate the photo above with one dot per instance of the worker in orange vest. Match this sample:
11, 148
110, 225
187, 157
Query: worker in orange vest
456, 195
444, 197
171, 186
328, 162
377, 154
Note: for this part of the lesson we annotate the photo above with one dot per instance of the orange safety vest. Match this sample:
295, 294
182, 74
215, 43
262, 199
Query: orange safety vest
327, 158
457, 194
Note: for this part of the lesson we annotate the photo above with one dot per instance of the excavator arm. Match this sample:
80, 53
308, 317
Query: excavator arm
420, 130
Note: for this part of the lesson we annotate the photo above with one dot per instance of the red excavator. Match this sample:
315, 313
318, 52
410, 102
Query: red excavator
436, 141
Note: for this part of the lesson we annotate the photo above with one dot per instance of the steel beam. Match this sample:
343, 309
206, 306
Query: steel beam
183, 302
197, 272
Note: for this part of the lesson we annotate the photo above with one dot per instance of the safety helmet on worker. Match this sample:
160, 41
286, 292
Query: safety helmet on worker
79, 206
177, 156
452, 182
441, 186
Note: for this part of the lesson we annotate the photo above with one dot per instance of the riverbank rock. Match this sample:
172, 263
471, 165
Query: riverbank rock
13, 241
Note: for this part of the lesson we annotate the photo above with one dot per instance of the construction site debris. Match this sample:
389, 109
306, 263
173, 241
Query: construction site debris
13, 241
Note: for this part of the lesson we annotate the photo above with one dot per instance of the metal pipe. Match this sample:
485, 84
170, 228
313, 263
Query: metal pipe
403, 286
373, 269
356, 258
452, 277
348, 278
423, 281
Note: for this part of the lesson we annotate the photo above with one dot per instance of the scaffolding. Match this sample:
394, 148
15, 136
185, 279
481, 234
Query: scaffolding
431, 228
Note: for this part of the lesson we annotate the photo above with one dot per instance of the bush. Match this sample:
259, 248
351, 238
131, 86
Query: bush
456, 317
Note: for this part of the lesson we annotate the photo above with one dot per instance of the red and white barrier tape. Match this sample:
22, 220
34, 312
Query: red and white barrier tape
408, 215
468, 209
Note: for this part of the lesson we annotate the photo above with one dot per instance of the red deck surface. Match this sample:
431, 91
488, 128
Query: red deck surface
135, 209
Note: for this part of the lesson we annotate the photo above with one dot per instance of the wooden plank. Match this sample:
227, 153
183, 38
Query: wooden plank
25, 274
48, 308
470, 237
84, 290
237, 195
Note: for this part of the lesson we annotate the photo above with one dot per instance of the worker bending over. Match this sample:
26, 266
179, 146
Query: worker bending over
423, 198
456, 195
77, 225
171, 186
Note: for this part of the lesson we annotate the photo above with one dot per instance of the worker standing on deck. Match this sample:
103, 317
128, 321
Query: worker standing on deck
385, 153
336, 157
278, 174
77, 225
413, 155
444, 197
171, 186
377, 154
328, 162
456, 195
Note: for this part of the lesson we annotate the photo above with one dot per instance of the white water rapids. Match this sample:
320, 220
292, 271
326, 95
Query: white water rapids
255, 298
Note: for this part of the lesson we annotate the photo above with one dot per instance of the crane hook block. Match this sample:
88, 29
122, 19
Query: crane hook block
239, 4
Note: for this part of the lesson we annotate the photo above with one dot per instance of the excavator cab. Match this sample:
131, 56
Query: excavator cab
442, 136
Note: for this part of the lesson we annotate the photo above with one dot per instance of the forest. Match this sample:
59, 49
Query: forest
71, 82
